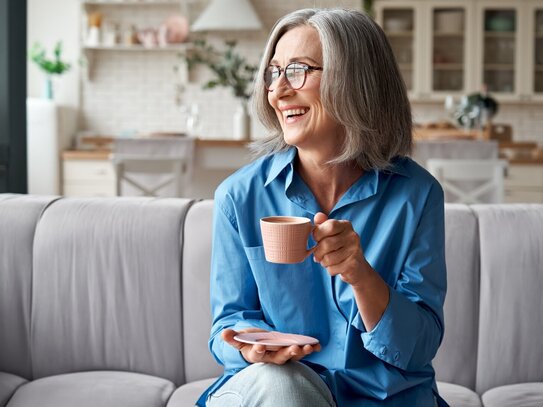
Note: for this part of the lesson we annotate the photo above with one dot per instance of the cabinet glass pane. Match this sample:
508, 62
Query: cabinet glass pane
499, 50
538, 56
398, 25
448, 49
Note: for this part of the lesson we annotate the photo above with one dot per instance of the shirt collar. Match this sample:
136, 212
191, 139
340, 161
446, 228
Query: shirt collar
398, 167
284, 158
280, 161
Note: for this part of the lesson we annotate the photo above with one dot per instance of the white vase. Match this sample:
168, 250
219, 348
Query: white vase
242, 122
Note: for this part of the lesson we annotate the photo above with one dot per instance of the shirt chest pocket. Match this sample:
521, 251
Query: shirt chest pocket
289, 288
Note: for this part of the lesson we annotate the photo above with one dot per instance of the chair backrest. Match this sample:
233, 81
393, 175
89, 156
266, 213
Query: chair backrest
150, 175
469, 181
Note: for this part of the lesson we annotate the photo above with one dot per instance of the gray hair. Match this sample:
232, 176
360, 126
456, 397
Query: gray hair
361, 88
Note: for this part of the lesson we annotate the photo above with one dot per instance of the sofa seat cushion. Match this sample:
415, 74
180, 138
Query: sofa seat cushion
189, 393
98, 388
458, 396
518, 395
8, 384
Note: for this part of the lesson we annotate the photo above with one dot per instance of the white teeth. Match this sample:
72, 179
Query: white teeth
292, 112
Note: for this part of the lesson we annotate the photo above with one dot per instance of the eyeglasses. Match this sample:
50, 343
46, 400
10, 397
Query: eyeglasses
295, 74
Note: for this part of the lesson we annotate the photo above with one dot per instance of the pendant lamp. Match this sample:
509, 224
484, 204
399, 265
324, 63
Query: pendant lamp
228, 15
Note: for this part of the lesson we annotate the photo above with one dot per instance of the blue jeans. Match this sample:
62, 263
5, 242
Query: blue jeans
267, 385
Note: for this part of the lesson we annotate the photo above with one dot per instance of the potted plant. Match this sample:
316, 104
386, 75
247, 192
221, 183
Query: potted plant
51, 67
230, 70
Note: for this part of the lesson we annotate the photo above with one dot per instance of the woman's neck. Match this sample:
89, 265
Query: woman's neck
328, 183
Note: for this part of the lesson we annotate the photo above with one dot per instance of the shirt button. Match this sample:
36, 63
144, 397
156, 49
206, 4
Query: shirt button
383, 350
397, 356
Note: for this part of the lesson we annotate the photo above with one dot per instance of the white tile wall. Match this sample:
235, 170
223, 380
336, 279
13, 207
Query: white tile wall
136, 91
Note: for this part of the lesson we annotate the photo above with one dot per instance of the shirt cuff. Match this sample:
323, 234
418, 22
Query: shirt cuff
392, 339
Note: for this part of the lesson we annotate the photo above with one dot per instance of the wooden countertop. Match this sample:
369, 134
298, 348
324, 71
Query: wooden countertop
85, 154
104, 154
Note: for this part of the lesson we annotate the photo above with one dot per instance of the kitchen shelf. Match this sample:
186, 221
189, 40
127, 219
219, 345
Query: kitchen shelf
132, 3
500, 34
139, 48
448, 67
499, 67
459, 35
399, 34
121, 14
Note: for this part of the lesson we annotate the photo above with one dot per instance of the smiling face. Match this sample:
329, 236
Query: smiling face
304, 121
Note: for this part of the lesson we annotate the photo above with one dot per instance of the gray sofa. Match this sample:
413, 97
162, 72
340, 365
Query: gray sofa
105, 302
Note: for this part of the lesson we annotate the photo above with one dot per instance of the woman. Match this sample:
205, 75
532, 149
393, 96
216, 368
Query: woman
331, 94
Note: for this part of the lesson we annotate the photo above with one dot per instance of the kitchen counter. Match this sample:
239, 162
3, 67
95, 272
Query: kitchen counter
91, 171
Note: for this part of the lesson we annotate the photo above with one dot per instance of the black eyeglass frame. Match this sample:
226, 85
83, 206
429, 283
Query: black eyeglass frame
305, 67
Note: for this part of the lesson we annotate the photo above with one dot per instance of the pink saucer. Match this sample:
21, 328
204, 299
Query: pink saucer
275, 339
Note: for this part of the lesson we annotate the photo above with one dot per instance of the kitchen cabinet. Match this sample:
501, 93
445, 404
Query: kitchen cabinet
524, 183
454, 47
112, 26
87, 174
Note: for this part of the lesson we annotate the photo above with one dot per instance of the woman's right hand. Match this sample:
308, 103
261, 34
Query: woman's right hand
258, 353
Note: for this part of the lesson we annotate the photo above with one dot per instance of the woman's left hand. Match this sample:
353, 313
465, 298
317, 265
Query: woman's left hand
338, 249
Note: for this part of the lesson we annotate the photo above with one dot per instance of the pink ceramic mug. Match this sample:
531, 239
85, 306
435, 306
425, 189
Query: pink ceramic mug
285, 238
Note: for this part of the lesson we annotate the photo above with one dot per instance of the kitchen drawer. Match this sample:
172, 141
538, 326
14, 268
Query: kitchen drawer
92, 188
524, 176
90, 170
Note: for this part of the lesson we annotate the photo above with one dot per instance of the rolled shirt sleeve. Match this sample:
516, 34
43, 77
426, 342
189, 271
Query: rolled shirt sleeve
411, 328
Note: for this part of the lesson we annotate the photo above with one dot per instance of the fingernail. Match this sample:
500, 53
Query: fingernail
293, 353
260, 351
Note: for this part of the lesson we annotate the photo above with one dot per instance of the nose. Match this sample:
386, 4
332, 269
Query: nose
282, 87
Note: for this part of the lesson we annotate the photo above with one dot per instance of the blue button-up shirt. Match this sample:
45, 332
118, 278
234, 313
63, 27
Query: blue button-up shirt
399, 216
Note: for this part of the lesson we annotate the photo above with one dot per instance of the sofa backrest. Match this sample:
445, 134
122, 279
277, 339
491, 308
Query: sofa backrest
106, 287
456, 360
511, 305
199, 364
19, 215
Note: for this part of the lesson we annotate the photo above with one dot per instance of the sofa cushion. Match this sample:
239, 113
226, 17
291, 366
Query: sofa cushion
199, 363
456, 359
188, 394
511, 317
458, 396
8, 384
19, 215
518, 395
106, 291
91, 389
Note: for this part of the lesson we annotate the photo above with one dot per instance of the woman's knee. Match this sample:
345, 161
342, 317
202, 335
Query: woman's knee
291, 384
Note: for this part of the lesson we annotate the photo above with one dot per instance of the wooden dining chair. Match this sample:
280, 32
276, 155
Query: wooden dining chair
150, 175
470, 181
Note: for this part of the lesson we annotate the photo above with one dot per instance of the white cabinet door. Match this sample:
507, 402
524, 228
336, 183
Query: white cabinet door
499, 48
449, 55
402, 22
532, 72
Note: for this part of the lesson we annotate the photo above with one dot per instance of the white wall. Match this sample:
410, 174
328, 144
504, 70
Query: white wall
49, 21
